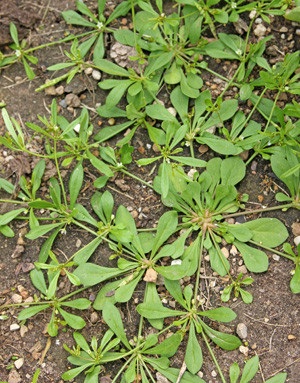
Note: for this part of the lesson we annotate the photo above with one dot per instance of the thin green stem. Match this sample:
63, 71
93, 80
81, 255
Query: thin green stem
272, 111
273, 250
213, 357
122, 368
136, 178
69, 38
286, 206
12, 201
73, 293
198, 270
59, 176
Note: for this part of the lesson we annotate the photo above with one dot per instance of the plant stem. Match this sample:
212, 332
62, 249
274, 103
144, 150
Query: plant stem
198, 270
286, 206
59, 176
69, 38
73, 293
136, 178
12, 201
273, 250
213, 357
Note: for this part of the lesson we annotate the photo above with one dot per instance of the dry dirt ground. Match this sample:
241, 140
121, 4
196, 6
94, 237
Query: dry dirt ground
273, 317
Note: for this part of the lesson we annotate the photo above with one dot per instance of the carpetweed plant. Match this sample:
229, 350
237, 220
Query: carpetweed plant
174, 53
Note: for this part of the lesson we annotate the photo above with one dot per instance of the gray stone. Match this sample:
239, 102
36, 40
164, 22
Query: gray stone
242, 331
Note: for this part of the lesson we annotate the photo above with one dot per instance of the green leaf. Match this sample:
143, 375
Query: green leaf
194, 162
124, 293
82, 255
7, 231
174, 289
83, 215
53, 285
31, 311
29, 72
91, 274
44, 253
110, 68
80, 303
233, 170
71, 374
151, 311
38, 280
280, 378
167, 225
166, 348
113, 319
234, 373
220, 314
225, 341
159, 62
100, 165
268, 232
75, 184
125, 37
295, 281
73, 321
250, 369
8, 217
14, 33
293, 14
72, 17
37, 175
255, 260
193, 354
172, 375
172, 75
38, 231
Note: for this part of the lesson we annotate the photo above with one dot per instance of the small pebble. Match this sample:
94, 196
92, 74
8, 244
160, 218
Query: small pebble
96, 75
14, 327
200, 374
78, 243
242, 269
134, 214
23, 330
276, 257
225, 252
283, 29
244, 350
214, 374
260, 30
16, 298
19, 363
72, 100
111, 121
291, 337
298, 32
14, 377
60, 90
88, 71
172, 111
297, 240
242, 331
94, 317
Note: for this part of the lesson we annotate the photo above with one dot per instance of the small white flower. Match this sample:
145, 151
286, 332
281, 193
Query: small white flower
233, 5
112, 217
119, 165
187, 143
239, 52
163, 15
63, 231
99, 25
269, 143
168, 160
77, 128
18, 53
56, 128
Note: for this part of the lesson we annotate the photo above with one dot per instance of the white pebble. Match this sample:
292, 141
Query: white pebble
96, 75
88, 71
172, 111
260, 30
176, 262
77, 128
276, 257
19, 363
297, 240
214, 374
14, 327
